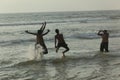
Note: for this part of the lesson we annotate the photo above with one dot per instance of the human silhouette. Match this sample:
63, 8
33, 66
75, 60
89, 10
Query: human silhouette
39, 37
60, 42
105, 41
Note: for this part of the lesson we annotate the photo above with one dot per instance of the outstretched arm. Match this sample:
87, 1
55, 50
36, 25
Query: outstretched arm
30, 32
46, 32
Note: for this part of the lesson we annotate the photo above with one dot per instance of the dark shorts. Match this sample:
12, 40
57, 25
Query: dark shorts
62, 45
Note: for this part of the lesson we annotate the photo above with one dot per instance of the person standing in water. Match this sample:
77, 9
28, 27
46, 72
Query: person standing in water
39, 37
105, 41
60, 42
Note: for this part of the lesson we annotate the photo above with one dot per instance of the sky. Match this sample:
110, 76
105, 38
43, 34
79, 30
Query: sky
16, 6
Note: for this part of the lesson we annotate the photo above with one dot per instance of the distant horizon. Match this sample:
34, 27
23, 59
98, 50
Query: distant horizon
58, 11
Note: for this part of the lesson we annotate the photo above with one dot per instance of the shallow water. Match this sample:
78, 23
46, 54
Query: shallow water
82, 62
77, 65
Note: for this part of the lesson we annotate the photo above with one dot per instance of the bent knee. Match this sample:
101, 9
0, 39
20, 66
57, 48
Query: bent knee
45, 52
68, 49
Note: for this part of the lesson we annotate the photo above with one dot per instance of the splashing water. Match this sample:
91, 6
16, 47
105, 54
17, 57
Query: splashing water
35, 52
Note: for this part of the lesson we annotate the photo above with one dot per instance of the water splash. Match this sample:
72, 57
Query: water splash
35, 52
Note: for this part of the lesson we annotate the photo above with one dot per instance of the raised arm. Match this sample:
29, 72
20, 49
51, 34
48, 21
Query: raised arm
30, 32
43, 26
46, 32
99, 33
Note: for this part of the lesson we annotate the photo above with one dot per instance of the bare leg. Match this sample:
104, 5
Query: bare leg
63, 55
67, 49
35, 45
57, 49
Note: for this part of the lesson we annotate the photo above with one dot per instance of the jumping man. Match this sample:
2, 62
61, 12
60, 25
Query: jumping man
39, 37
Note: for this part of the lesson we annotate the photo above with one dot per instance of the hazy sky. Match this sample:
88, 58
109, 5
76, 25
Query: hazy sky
7, 6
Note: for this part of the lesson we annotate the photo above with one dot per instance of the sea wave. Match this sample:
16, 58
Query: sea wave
75, 20
14, 42
19, 41
26, 63
18, 24
90, 35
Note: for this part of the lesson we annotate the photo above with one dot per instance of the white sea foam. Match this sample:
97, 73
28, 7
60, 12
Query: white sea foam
35, 52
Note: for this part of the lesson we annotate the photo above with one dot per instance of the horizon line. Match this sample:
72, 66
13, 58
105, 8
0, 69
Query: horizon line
57, 11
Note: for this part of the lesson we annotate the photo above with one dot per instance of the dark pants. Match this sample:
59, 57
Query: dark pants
104, 46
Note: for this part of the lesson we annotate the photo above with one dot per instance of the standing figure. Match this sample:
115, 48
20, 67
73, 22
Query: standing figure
105, 41
60, 42
39, 37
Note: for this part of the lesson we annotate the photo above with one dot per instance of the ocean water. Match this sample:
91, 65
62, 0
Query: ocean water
82, 62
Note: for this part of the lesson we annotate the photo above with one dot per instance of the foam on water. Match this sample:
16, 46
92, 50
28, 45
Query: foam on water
35, 52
